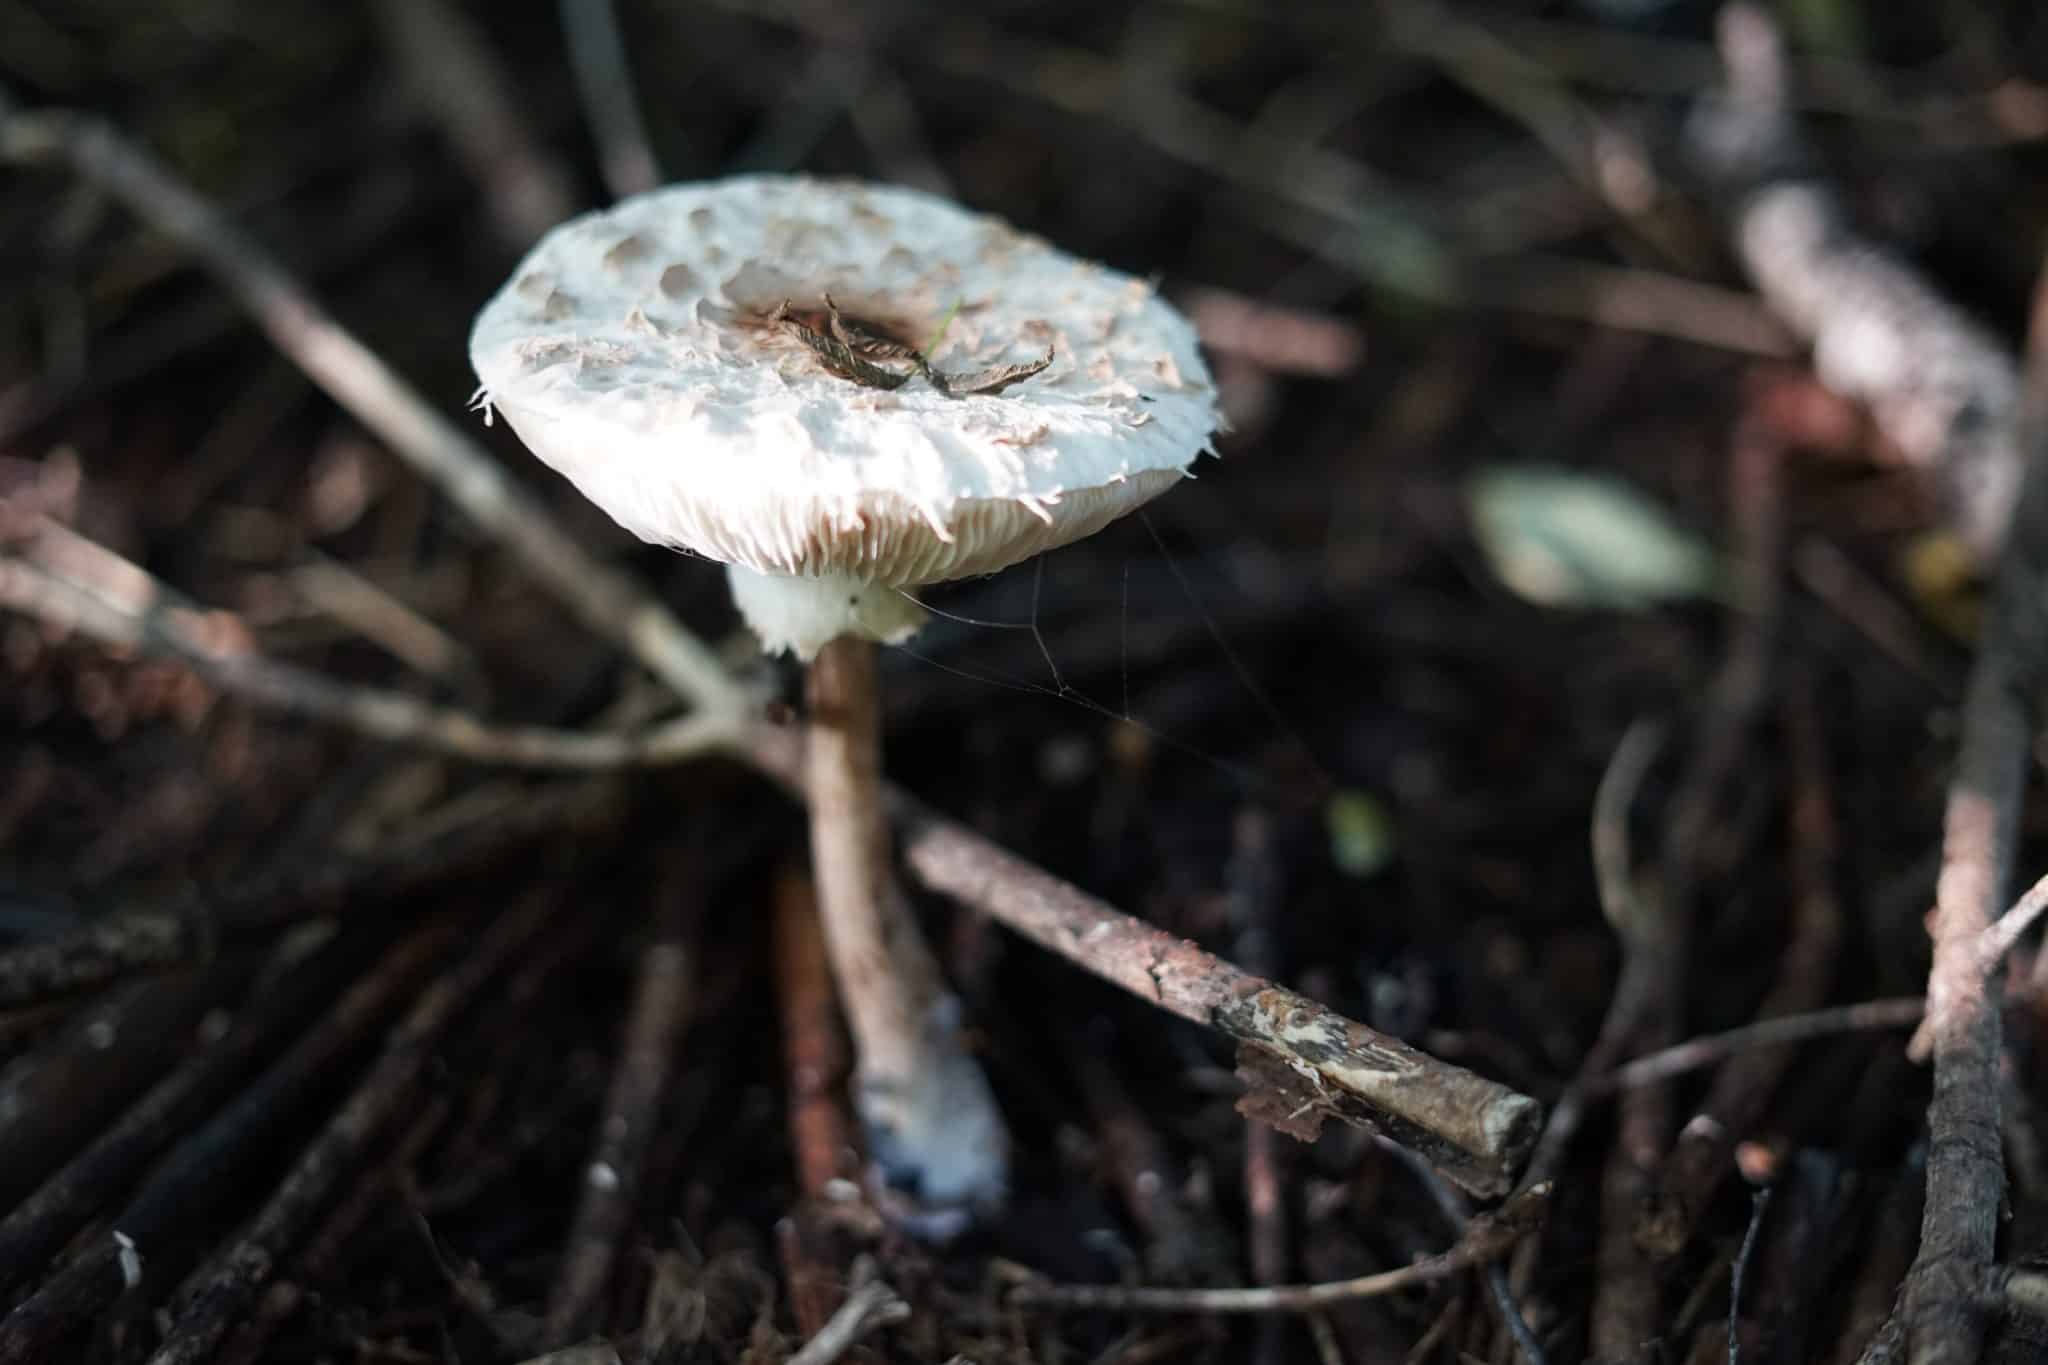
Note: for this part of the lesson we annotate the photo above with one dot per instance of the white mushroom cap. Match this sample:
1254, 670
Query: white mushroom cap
635, 351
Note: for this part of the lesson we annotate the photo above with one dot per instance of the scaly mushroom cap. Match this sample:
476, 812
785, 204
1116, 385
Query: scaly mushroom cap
638, 351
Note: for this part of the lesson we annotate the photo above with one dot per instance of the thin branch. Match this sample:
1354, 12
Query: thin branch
1306, 1062
870, 1303
452, 71
610, 602
1458, 1213
604, 83
614, 1177
1328, 204
1941, 1310
1486, 1238
1759, 1204
1698, 1053
224, 1295
1937, 382
153, 621
200, 1173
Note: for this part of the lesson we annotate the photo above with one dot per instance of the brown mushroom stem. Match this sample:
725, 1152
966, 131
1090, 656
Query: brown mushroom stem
931, 1121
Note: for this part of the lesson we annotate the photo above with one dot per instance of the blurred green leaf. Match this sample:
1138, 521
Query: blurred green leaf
1361, 833
1566, 538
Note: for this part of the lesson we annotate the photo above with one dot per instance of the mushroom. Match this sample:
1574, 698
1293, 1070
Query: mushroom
844, 391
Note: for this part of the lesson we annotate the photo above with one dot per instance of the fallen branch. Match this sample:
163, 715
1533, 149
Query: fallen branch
1941, 1312
1486, 1238
870, 1303
1710, 1050
1939, 385
449, 67
154, 623
468, 834
615, 1176
1305, 1062
200, 1172
604, 85
610, 602
223, 1296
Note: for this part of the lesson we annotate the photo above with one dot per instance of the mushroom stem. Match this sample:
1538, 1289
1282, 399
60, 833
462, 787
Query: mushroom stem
932, 1124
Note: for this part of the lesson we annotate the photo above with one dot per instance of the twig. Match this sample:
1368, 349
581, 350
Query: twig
1885, 1251
451, 70
1310, 1062
1276, 338
1487, 1237
225, 1294
1613, 863
1326, 203
870, 1303
1649, 1002
1697, 1053
2004, 934
1938, 383
200, 1171
1180, 1245
129, 940
324, 1250
1459, 1215
610, 602
55, 1098
1759, 1203
604, 83
1940, 1312
613, 1179
1252, 885
1698, 1160
206, 643
354, 600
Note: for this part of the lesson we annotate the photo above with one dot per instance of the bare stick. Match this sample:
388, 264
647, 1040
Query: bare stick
870, 1303
611, 603
1699, 1159
625, 1130
1475, 1130
1942, 388
1328, 204
453, 72
1459, 1214
199, 640
199, 1172
604, 83
131, 940
224, 1295
1940, 1309
1486, 1238
1759, 1204
1613, 871
1714, 1048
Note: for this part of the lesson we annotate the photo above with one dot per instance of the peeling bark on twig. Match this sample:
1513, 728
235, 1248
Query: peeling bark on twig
1305, 1062
1476, 1131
